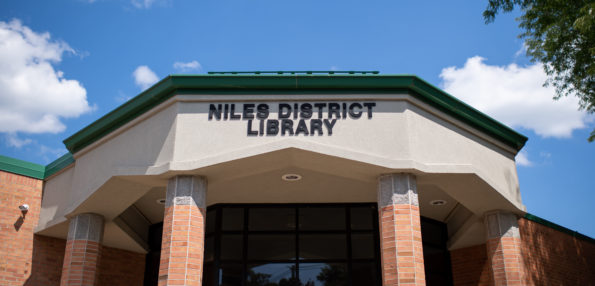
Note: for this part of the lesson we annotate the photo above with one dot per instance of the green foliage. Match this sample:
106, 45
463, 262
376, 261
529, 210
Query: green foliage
561, 35
332, 276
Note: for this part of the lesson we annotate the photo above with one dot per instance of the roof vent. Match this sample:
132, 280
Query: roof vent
290, 72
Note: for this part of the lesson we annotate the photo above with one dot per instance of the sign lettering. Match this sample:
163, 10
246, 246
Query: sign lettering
292, 119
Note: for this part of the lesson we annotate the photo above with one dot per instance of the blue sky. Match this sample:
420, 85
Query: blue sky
85, 58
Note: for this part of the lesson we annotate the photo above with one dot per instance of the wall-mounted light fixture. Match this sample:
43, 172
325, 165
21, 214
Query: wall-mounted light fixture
24, 208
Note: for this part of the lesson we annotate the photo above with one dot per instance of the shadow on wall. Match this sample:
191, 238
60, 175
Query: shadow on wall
46, 264
470, 266
552, 257
17, 224
117, 267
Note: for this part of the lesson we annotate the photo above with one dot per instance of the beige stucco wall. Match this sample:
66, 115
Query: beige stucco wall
403, 135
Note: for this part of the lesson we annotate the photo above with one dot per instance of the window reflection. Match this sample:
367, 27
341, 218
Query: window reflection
323, 274
285, 274
273, 274
292, 245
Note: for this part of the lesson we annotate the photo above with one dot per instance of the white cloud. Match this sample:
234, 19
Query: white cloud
143, 4
185, 67
522, 51
56, 152
515, 96
122, 97
13, 140
144, 77
522, 159
33, 95
545, 155
50, 154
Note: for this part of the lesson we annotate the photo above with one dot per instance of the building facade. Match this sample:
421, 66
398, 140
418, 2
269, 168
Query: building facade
283, 179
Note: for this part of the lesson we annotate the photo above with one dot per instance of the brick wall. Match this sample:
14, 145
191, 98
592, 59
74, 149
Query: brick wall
470, 266
116, 267
552, 257
16, 230
120, 267
48, 255
28, 259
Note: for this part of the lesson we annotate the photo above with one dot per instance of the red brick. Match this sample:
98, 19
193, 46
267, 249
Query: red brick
182, 246
402, 258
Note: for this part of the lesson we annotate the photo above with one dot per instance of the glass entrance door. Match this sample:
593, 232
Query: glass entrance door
297, 245
300, 245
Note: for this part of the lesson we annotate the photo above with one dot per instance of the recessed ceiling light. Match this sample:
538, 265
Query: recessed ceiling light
438, 202
291, 177
161, 201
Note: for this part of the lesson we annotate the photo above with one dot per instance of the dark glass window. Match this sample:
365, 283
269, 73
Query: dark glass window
268, 274
323, 246
232, 219
209, 274
271, 247
313, 218
232, 247
209, 248
293, 245
362, 245
230, 274
436, 254
300, 245
322, 274
365, 273
363, 218
210, 224
271, 219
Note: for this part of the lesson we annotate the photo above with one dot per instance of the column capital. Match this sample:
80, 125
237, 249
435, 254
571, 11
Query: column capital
83, 250
186, 190
500, 223
86, 226
397, 189
504, 248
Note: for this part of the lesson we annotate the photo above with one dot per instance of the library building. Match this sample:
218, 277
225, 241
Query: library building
298, 178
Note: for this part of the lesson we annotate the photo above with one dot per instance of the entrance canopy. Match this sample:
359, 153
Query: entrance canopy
244, 133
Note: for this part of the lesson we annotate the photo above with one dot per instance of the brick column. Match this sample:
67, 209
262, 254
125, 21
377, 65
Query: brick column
182, 248
400, 231
83, 250
504, 248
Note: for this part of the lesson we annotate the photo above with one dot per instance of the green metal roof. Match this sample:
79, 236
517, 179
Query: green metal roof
558, 227
277, 82
308, 82
33, 170
21, 167
292, 72
268, 82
